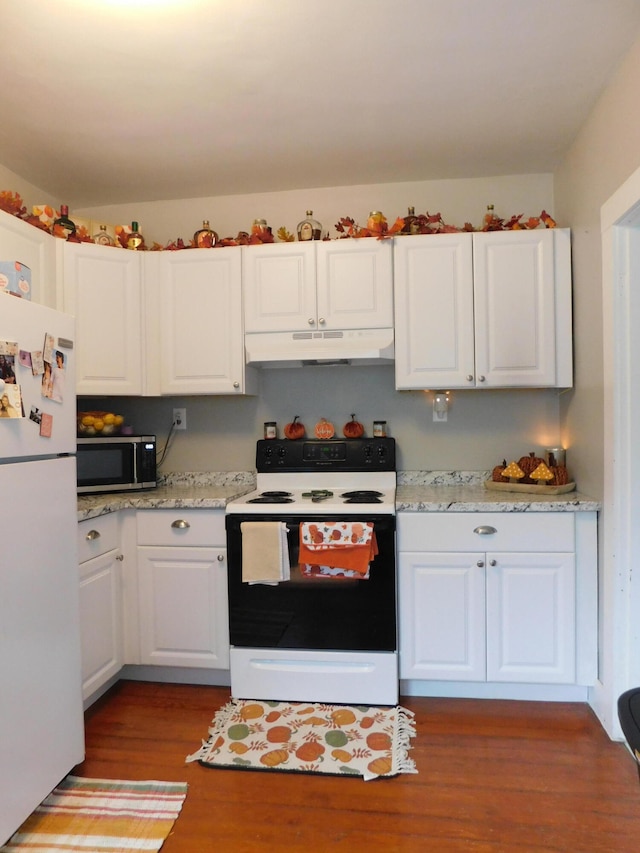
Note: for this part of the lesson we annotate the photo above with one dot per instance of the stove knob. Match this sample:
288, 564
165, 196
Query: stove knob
281, 451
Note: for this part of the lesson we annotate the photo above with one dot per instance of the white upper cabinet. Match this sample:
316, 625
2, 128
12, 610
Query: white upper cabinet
102, 288
355, 284
34, 248
279, 287
324, 285
198, 346
484, 310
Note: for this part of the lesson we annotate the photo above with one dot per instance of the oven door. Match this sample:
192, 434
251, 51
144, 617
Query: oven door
326, 613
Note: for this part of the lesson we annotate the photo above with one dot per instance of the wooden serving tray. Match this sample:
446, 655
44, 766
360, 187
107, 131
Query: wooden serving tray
529, 487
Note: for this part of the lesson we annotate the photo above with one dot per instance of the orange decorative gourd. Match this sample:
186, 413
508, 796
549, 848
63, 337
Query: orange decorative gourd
353, 429
310, 751
378, 740
252, 712
278, 734
380, 765
275, 757
294, 429
528, 464
341, 755
496, 474
324, 429
560, 476
343, 717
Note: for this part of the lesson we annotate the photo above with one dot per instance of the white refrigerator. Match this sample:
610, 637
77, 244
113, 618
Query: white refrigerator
41, 716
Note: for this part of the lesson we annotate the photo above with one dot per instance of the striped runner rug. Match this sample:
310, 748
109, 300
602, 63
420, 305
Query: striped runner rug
101, 816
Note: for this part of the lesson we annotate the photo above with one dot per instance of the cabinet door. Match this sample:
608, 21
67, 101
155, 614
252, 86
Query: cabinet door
100, 620
434, 311
35, 249
531, 621
183, 606
279, 287
515, 312
442, 616
201, 346
102, 289
355, 284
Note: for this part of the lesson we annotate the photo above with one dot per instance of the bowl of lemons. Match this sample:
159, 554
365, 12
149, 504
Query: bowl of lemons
91, 424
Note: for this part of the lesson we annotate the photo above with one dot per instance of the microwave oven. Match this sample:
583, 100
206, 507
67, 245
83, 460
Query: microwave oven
116, 464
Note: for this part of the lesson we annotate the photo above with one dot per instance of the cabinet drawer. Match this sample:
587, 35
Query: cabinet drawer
197, 527
447, 531
97, 536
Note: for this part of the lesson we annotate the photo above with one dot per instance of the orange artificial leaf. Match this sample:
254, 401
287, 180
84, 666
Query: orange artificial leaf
12, 203
532, 222
285, 236
549, 222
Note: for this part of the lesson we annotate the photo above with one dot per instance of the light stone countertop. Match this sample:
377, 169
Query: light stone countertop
417, 491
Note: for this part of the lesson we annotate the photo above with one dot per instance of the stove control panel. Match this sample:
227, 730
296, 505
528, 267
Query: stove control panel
353, 454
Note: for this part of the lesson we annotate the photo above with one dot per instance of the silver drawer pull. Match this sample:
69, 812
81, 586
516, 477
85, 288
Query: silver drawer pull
91, 535
220, 558
180, 524
485, 530
480, 564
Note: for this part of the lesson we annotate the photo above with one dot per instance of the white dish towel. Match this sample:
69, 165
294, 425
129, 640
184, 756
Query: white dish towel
265, 555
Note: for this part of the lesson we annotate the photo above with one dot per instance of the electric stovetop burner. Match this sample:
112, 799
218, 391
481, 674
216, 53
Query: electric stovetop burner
273, 497
362, 496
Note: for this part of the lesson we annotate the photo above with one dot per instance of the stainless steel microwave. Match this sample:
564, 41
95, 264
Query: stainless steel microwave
116, 464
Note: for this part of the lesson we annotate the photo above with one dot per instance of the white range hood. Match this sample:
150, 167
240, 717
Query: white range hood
331, 347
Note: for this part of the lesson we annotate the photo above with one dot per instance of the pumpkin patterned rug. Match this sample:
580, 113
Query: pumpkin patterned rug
307, 737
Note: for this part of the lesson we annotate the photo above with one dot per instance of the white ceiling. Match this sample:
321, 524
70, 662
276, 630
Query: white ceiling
108, 101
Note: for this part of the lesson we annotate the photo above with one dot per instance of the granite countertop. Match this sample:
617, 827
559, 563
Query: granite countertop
417, 491
186, 491
464, 491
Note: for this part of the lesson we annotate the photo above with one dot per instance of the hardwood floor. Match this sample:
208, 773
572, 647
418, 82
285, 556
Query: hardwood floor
493, 776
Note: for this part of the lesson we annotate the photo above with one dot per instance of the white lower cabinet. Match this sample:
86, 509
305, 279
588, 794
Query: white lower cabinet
182, 588
490, 597
100, 602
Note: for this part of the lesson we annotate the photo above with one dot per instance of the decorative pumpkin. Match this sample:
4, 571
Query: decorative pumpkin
496, 474
324, 429
275, 757
278, 734
252, 712
343, 717
272, 716
378, 740
366, 722
353, 429
560, 476
341, 755
294, 429
380, 765
528, 464
310, 751
238, 747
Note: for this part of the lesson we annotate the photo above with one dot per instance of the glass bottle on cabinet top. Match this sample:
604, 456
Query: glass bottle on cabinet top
309, 228
135, 240
409, 226
63, 226
103, 238
206, 237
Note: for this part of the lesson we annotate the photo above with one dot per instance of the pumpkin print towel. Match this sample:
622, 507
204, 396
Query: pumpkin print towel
338, 544
307, 737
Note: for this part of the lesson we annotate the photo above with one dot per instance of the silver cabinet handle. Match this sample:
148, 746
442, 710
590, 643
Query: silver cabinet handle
322, 321
311, 321
481, 378
220, 558
92, 534
236, 384
493, 562
485, 530
180, 524
120, 557
480, 564
469, 377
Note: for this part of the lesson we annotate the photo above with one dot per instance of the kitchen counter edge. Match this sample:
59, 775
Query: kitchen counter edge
409, 498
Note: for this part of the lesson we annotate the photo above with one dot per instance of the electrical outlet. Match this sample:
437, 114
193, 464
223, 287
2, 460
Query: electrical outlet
179, 418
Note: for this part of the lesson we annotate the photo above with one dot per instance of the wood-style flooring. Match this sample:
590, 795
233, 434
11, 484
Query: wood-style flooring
495, 776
